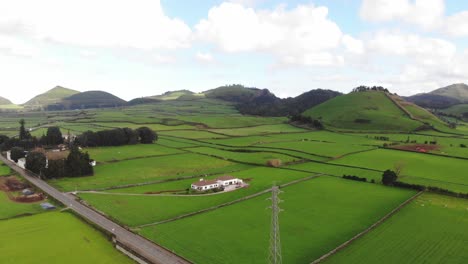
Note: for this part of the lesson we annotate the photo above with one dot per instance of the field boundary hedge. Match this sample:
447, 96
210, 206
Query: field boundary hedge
373, 226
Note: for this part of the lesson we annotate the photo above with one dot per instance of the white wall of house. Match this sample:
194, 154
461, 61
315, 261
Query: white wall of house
205, 187
229, 182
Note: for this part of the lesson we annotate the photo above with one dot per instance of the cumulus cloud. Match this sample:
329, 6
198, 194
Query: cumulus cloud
457, 24
120, 23
16, 47
302, 35
427, 14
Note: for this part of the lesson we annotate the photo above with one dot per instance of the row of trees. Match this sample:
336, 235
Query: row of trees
363, 88
26, 141
77, 164
117, 137
306, 120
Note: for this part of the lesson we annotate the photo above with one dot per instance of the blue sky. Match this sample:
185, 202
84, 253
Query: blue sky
147, 47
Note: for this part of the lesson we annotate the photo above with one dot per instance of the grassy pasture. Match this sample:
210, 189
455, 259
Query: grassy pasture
244, 141
339, 171
10, 209
330, 137
432, 229
4, 169
260, 158
232, 121
54, 238
172, 143
138, 210
103, 154
434, 168
144, 170
318, 215
155, 127
260, 130
342, 112
192, 134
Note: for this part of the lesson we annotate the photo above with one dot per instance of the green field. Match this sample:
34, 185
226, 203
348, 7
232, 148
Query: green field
318, 215
103, 154
134, 210
4, 169
438, 235
145, 170
419, 168
259, 130
54, 238
9, 209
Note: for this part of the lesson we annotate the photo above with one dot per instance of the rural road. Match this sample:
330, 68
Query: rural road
146, 249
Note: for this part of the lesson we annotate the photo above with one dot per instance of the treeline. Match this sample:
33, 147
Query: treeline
117, 137
305, 121
26, 141
354, 178
364, 88
76, 164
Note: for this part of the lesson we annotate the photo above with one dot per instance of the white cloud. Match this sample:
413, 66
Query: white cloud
121, 23
302, 35
355, 46
16, 47
204, 57
427, 14
457, 24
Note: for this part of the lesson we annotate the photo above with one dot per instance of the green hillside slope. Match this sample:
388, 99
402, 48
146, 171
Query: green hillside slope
363, 111
4, 101
52, 96
92, 99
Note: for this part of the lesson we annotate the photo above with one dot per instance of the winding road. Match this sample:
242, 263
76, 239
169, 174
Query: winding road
141, 246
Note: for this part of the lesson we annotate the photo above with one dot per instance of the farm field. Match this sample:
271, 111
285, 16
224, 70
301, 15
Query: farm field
433, 170
133, 210
54, 237
145, 170
4, 170
240, 233
9, 209
259, 130
441, 227
105, 154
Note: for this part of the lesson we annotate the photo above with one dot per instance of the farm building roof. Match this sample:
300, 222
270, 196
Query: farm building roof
226, 178
204, 183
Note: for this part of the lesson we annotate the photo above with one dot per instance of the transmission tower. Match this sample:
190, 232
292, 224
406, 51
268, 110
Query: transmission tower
275, 241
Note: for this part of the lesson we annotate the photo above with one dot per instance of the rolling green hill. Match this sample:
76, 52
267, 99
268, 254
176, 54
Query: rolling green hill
172, 95
363, 111
457, 91
92, 99
53, 96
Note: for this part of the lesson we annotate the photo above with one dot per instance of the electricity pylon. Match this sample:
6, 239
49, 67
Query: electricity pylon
275, 241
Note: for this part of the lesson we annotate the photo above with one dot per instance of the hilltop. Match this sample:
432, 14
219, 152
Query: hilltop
92, 99
4, 101
52, 96
370, 110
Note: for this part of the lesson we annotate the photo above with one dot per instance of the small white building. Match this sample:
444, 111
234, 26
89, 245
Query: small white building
204, 185
227, 180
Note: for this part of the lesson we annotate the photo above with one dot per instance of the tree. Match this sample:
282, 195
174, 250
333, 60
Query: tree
55, 169
147, 136
36, 162
78, 163
16, 153
398, 167
54, 136
23, 133
389, 177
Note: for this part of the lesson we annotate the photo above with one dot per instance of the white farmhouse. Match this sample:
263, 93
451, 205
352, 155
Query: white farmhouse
227, 180
203, 185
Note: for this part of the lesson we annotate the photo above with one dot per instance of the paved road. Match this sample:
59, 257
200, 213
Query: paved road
138, 244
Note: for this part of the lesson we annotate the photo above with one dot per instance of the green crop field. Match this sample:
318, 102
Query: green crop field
363, 111
103, 154
432, 170
318, 215
144, 170
134, 210
54, 238
10, 209
439, 235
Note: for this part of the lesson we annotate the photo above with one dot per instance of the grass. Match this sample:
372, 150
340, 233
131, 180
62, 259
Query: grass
260, 130
54, 238
139, 210
318, 215
103, 154
192, 134
9, 209
438, 235
378, 112
338, 171
144, 170
433, 170
4, 169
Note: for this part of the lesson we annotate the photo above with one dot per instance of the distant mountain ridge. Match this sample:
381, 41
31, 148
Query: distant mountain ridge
443, 97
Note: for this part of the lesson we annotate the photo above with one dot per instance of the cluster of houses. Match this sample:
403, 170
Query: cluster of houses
221, 182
